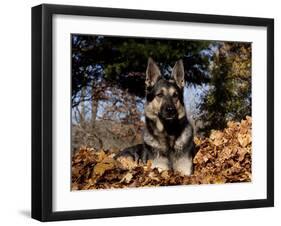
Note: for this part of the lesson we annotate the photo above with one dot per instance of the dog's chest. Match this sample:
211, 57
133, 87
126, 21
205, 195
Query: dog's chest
171, 141
166, 139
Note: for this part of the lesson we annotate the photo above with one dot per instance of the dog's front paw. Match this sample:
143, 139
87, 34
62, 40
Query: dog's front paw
183, 164
161, 163
179, 146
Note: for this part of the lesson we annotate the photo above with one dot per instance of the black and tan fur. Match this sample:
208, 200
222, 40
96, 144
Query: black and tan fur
168, 134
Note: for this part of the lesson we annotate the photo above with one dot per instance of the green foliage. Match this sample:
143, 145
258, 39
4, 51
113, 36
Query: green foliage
123, 60
229, 97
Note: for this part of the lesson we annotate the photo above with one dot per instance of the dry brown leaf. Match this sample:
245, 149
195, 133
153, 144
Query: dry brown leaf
101, 167
127, 162
100, 156
165, 175
127, 178
244, 139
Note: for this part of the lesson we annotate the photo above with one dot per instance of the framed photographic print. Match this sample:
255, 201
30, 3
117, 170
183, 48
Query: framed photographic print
146, 112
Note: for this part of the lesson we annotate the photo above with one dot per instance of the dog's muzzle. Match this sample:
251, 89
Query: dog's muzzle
168, 112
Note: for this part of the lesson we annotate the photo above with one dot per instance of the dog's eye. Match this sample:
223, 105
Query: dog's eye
175, 95
160, 95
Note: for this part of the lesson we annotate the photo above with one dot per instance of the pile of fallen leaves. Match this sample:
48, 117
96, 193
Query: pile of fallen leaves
223, 157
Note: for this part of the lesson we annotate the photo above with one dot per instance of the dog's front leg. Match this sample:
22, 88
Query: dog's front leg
184, 140
161, 163
183, 163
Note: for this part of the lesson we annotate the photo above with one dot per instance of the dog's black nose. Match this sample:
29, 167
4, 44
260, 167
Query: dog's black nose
171, 110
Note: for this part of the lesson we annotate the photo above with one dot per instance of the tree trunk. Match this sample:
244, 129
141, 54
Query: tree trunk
94, 111
83, 107
94, 107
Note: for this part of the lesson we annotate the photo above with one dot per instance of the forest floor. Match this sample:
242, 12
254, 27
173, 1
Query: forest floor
223, 157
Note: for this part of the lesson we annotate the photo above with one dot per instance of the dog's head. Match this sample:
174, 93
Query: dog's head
165, 96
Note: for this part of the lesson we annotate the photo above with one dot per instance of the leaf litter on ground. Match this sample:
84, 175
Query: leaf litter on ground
223, 157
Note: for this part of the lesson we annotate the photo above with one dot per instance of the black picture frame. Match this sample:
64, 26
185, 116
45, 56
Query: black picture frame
42, 111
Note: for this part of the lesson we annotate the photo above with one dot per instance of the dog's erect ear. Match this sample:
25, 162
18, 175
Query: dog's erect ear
178, 73
152, 73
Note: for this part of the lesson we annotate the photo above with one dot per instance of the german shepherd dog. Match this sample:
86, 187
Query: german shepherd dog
168, 134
